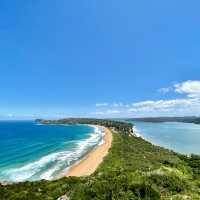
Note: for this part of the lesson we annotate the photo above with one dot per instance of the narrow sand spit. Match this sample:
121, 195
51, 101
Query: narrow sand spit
91, 161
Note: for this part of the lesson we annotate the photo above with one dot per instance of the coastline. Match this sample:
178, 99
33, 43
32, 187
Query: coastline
136, 132
88, 165
124, 149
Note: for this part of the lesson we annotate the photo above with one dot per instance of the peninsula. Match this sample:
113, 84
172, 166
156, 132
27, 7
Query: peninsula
132, 169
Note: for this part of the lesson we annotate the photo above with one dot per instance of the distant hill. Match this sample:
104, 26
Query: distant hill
191, 119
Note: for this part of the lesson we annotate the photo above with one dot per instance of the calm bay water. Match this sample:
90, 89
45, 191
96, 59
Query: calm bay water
180, 137
30, 151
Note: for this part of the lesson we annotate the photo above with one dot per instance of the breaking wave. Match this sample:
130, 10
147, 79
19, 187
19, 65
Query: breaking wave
49, 166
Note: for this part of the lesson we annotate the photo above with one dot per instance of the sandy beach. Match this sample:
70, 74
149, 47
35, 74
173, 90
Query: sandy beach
91, 161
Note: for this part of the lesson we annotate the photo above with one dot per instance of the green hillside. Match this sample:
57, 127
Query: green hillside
191, 119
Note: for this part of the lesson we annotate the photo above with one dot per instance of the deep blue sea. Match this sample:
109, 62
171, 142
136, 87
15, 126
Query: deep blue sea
180, 137
31, 151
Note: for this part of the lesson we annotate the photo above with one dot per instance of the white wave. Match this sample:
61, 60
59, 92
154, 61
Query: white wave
39, 124
58, 160
27, 171
136, 132
47, 175
99, 130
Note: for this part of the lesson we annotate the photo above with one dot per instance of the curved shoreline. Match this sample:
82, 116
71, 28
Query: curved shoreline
93, 159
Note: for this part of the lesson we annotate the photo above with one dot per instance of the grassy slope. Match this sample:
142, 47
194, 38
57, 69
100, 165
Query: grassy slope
134, 169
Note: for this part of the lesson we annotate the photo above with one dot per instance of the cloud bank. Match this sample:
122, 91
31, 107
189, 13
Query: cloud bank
189, 104
190, 88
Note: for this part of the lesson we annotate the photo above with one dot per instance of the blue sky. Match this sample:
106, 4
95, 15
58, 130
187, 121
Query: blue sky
99, 58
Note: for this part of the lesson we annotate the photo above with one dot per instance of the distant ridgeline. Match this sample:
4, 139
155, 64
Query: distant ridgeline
118, 126
134, 169
195, 120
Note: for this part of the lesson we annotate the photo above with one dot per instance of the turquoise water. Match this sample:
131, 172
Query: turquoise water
30, 151
180, 137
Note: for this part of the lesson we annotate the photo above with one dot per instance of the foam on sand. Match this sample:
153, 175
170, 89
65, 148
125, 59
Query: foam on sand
93, 159
136, 132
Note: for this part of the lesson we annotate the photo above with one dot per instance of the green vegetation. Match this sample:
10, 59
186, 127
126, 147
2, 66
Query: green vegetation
123, 127
134, 169
195, 120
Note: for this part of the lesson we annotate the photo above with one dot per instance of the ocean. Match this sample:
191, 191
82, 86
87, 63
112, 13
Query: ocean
31, 151
180, 137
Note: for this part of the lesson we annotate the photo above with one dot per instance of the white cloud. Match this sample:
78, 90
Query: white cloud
107, 112
190, 88
118, 104
164, 105
143, 104
165, 90
101, 104
188, 105
112, 111
98, 113
10, 115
